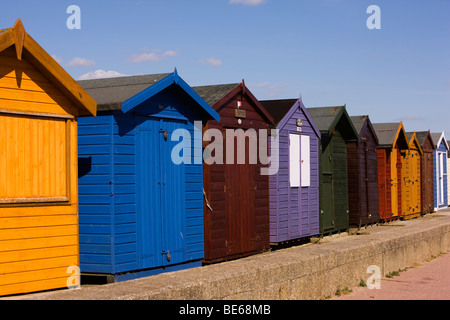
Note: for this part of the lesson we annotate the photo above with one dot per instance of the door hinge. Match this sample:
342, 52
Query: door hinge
111, 183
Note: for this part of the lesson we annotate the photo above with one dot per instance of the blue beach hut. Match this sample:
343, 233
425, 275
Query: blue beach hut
141, 211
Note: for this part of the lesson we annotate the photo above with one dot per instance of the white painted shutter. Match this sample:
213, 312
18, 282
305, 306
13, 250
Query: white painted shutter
306, 161
294, 160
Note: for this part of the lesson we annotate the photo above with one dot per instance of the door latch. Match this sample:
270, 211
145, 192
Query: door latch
167, 254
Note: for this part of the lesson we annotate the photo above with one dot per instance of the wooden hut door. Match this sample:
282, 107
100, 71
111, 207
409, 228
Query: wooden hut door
394, 182
440, 178
415, 181
406, 183
326, 191
161, 194
427, 182
240, 192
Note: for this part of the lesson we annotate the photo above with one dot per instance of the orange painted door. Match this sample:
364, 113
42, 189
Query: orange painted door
394, 183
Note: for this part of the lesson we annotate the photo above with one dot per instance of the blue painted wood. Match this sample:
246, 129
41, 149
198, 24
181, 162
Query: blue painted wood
136, 206
294, 212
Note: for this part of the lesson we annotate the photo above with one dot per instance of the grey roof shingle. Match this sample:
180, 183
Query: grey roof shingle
324, 117
358, 122
278, 108
421, 136
110, 93
212, 94
386, 132
436, 136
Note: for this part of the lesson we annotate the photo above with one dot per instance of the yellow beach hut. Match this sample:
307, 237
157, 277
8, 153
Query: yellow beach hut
39, 106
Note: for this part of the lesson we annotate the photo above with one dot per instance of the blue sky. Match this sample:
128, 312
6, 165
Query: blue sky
321, 49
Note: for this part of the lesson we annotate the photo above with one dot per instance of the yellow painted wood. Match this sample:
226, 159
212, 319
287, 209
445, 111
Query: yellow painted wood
38, 156
34, 165
40, 281
23, 88
38, 254
37, 232
411, 197
30, 265
38, 243
21, 279
45, 221
394, 183
39, 106
406, 184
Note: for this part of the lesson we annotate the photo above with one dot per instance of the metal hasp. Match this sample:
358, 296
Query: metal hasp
238, 193
154, 220
294, 188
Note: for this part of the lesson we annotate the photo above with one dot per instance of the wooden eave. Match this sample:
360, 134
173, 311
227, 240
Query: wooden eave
242, 89
26, 47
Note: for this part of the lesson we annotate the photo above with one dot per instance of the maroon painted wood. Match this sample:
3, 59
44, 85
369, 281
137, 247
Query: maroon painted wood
236, 208
363, 174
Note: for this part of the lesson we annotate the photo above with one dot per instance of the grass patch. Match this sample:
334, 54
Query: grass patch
342, 291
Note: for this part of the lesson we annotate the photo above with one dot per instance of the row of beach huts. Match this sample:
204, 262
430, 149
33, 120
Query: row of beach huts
88, 179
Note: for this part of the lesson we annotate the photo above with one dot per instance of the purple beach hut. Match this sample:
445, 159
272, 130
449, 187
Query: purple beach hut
294, 190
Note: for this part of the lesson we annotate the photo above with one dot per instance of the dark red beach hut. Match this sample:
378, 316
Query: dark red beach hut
363, 174
236, 216
426, 168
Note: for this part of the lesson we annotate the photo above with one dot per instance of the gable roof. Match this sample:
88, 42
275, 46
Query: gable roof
438, 139
412, 138
213, 93
26, 47
217, 95
126, 93
327, 118
278, 108
421, 137
358, 123
110, 93
389, 133
282, 111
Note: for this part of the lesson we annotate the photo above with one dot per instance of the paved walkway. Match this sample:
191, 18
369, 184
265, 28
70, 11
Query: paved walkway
428, 281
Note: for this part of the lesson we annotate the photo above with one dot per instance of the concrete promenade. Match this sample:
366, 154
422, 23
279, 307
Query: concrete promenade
312, 271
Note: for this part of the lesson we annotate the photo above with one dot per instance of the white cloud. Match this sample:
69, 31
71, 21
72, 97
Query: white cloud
100, 74
170, 53
413, 117
271, 90
248, 2
268, 85
80, 62
211, 61
153, 56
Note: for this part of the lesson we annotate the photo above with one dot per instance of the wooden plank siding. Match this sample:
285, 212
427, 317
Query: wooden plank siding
411, 180
140, 212
440, 175
39, 106
426, 170
238, 224
384, 184
362, 165
38, 236
294, 211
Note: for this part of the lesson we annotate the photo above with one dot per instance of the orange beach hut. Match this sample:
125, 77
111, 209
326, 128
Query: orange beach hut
39, 106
